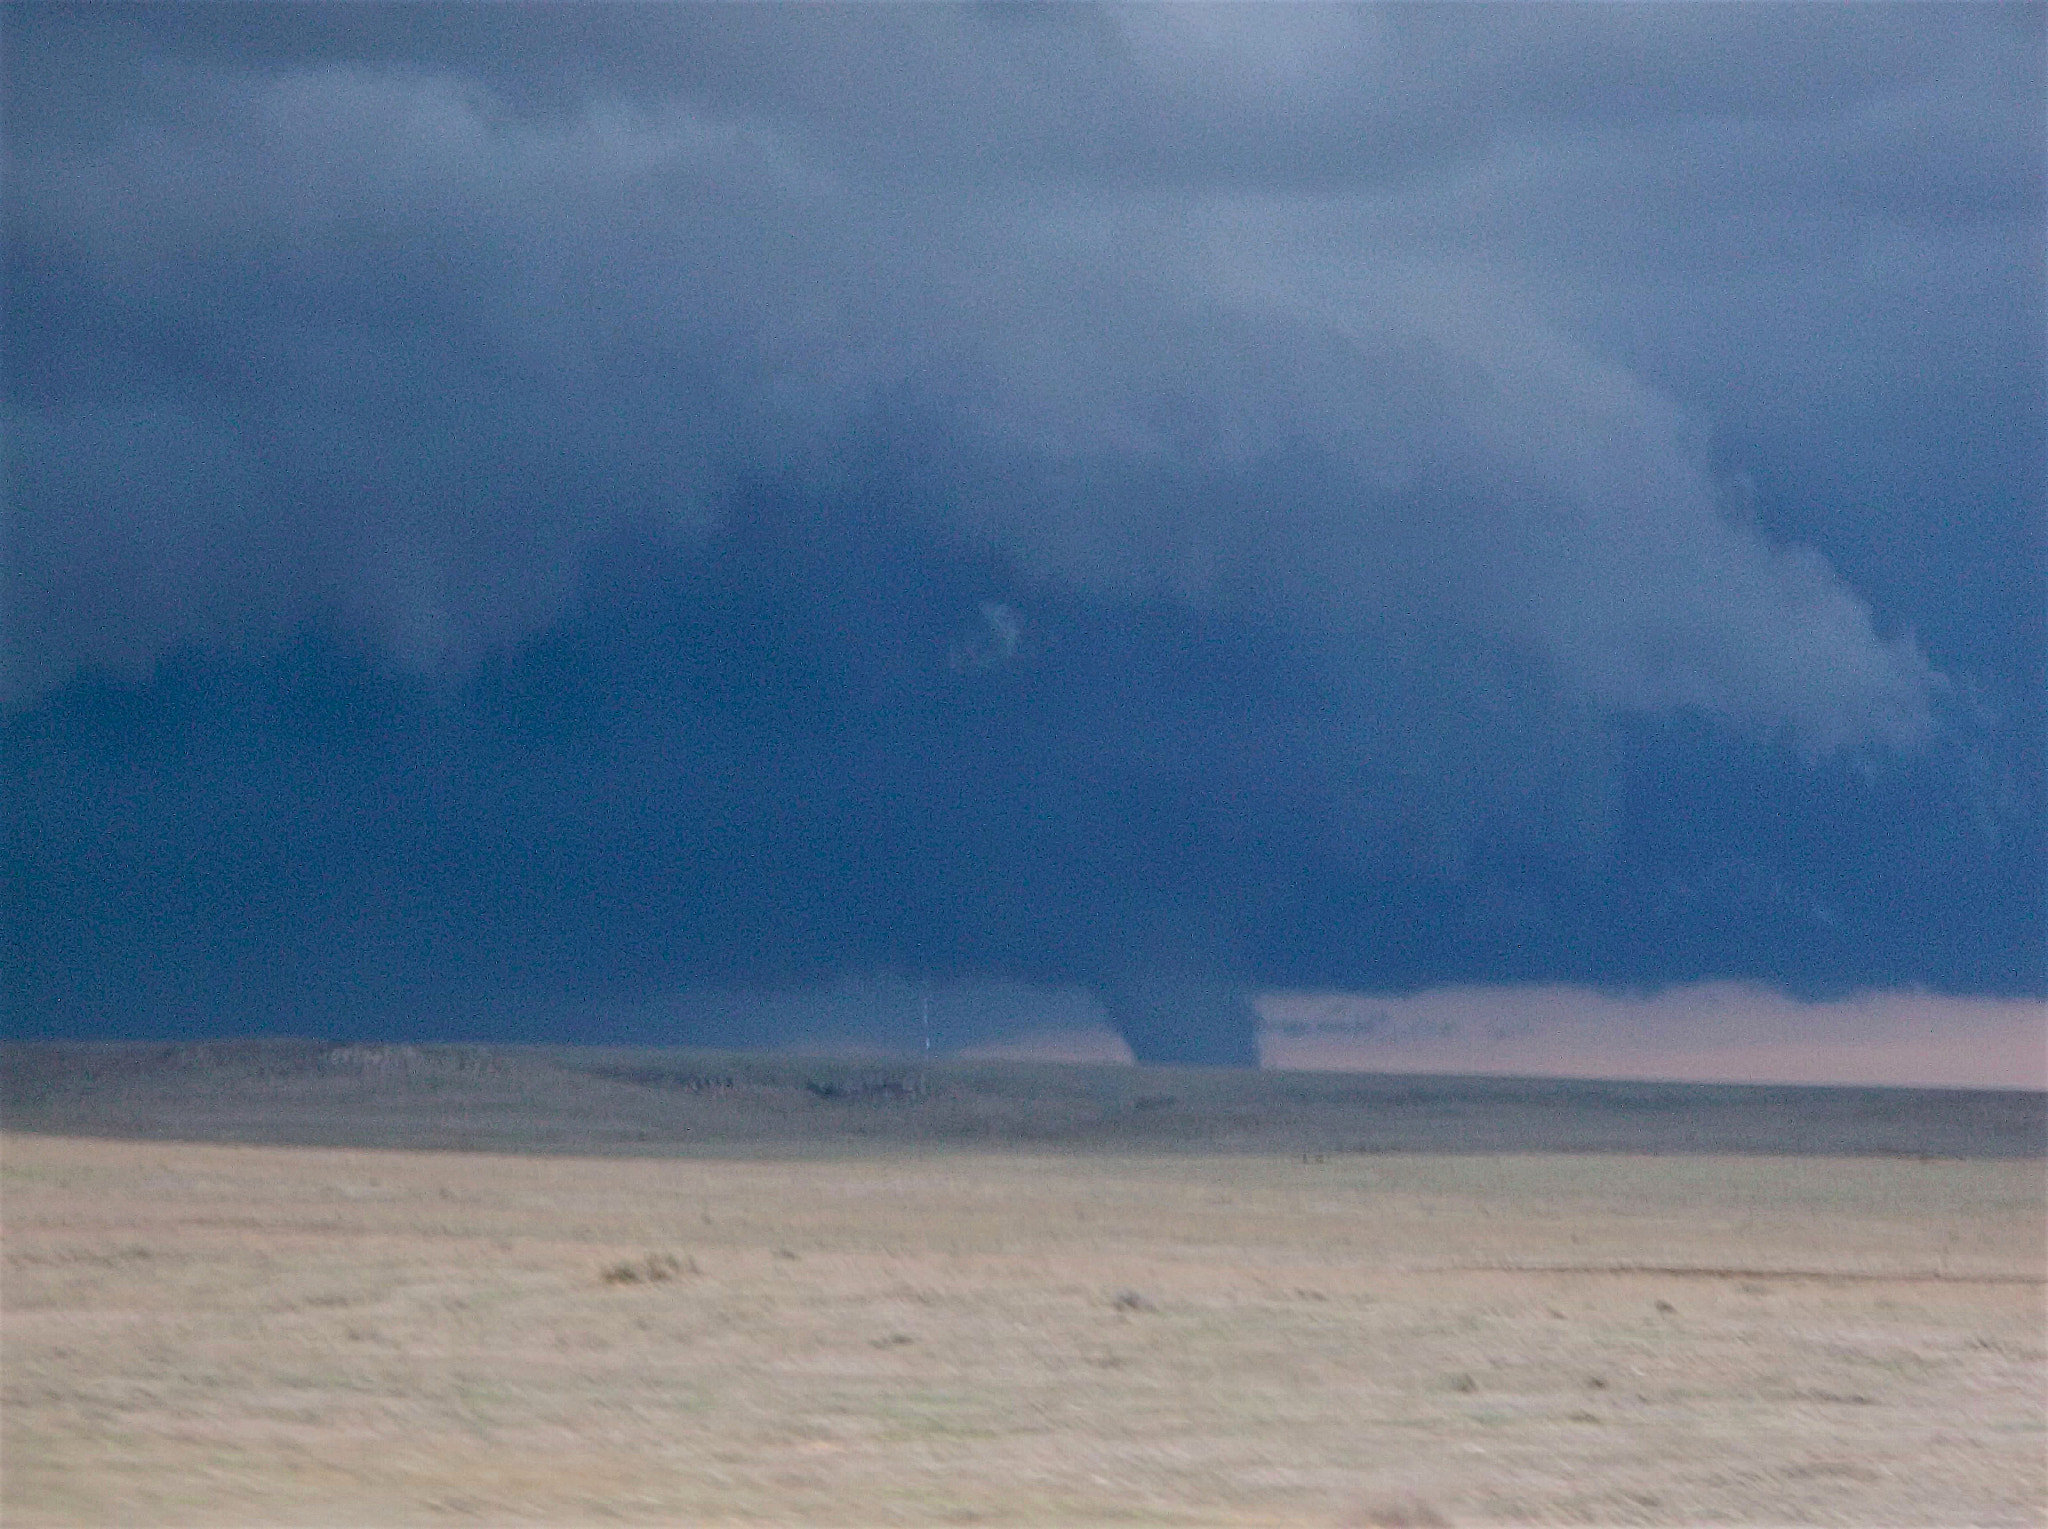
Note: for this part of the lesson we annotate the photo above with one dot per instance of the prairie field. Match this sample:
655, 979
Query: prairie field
842, 1305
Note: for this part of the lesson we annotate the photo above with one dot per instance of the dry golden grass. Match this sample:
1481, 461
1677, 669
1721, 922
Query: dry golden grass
217, 1335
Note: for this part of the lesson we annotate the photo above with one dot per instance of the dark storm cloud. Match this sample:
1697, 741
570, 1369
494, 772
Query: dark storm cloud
1421, 493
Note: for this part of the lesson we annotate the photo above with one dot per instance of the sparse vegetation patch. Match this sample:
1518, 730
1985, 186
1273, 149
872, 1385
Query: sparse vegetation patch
652, 1269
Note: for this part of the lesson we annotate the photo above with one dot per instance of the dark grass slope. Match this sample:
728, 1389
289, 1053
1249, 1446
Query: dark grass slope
673, 1102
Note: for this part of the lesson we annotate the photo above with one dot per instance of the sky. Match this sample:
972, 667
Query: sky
517, 513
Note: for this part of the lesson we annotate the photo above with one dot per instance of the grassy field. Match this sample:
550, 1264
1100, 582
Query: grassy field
899, 1326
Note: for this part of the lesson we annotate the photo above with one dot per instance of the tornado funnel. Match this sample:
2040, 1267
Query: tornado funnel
1174, 1019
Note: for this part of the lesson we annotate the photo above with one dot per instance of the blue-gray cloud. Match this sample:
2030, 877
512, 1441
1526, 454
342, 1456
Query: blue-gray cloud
1391, 431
